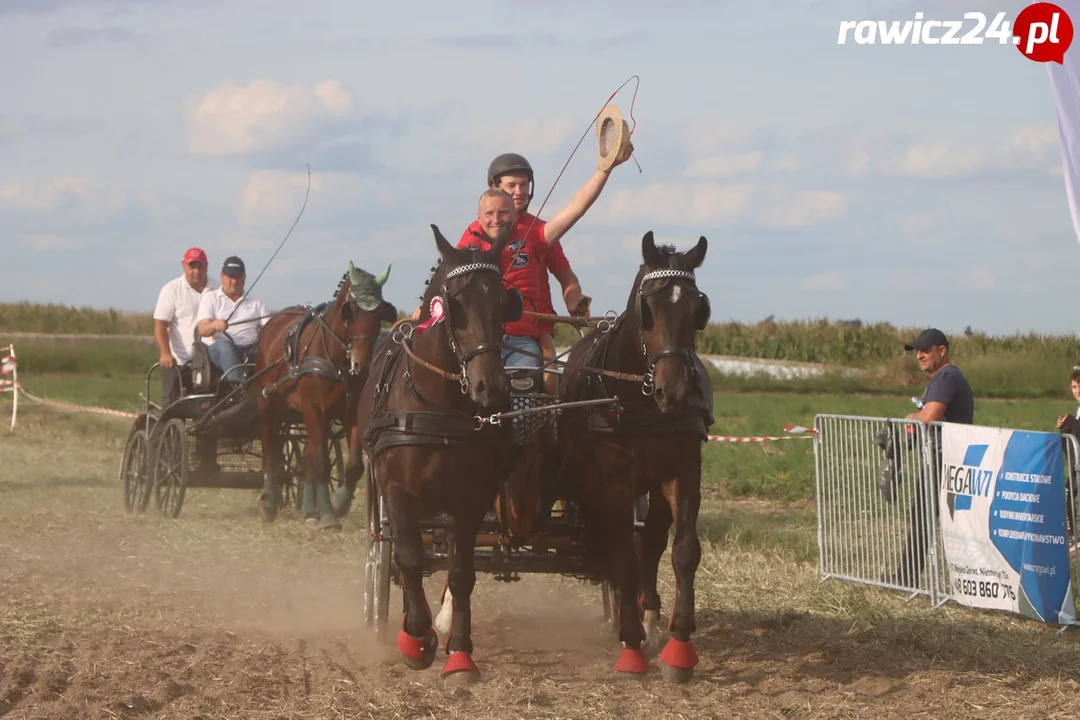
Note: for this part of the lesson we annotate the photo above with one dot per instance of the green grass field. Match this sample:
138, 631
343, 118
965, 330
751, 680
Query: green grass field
1016, 366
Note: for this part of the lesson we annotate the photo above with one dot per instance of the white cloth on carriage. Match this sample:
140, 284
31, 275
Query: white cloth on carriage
244, 325
178, 305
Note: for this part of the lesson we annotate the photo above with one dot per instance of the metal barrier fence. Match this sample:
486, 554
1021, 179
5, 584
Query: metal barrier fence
865, 537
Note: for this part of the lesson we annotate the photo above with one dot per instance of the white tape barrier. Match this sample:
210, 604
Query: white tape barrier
9, 367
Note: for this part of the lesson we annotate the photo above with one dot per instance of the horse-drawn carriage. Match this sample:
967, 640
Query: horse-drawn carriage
281, 429
480, 471
161, 456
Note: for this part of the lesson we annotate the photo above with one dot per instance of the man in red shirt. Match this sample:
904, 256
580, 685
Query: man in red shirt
534, 249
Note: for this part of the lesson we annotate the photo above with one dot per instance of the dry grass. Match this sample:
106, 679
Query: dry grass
215, 615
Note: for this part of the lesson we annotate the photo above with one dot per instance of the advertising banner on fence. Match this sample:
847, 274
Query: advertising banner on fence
1002, 515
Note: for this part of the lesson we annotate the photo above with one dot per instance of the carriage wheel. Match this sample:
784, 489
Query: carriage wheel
136, 472
294, 471
377, 571
170, 468
611, 604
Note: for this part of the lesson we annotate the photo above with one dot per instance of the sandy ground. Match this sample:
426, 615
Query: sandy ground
216, 615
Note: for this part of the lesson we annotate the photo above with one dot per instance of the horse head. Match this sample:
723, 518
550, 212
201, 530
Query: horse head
669, 309
363, 312
468, 295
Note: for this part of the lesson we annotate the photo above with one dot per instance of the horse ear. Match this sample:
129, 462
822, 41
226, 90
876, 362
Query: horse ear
446, 250
649, 253
503, 237
514, 305
696, 256
387, 312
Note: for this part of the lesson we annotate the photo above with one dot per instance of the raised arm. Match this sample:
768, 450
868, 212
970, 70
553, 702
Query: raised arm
565, 219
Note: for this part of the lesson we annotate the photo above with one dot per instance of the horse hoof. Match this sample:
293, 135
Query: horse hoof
418, 653
678, 660
632, 662
329, 522
460, 670
311, 522
269, 514
676, 675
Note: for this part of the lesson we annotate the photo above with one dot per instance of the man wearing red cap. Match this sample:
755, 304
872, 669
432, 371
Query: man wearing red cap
174, 321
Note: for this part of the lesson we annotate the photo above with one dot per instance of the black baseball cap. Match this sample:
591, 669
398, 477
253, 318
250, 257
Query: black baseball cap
233, 267
927, 339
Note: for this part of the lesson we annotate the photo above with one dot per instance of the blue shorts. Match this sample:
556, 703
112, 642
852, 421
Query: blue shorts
514, 359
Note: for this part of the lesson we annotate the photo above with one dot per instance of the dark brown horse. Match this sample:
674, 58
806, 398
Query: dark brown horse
652, 446
429, 452
316, 361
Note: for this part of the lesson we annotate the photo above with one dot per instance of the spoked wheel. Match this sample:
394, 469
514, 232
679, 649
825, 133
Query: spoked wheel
294, 470
170, 463
135, 470
610, 593
377, 568
611, 605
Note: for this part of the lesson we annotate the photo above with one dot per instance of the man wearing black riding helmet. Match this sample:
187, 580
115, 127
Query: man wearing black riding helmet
535, 249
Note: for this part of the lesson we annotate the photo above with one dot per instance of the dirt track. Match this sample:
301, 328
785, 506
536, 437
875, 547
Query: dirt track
215, 615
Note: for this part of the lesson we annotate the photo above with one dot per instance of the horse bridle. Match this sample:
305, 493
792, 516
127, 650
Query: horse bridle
648, 387
461, 357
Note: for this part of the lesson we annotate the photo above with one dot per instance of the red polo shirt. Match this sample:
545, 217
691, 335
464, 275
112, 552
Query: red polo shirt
525, 262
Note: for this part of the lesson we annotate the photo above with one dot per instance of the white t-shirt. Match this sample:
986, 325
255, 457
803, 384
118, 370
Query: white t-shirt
216, 305
178, 305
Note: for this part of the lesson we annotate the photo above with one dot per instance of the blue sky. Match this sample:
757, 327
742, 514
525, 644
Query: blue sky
911, 184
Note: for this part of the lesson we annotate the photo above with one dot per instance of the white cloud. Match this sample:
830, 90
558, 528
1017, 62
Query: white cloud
272, 197
677, 204
785, 164
725, 166
693, 205
981, 278
704, 137
531, 138
44, 242
234, 119
78, 199
802, 208
1032, 147
829, 280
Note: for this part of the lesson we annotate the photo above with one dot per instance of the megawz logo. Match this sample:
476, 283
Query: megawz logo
521, 259
969, 479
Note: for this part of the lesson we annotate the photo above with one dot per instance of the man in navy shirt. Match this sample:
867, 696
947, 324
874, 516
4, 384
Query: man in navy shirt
947, 398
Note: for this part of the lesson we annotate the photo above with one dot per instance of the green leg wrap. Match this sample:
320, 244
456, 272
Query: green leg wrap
272, 494
323, 495
308, 506
343, 499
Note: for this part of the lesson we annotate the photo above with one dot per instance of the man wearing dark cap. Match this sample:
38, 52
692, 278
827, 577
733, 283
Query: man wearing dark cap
947, 398
230, 321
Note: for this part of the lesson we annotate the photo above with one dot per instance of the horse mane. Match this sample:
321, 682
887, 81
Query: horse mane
431, 287
341, 284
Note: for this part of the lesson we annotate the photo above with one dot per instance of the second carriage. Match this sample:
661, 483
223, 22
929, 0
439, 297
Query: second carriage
161, 459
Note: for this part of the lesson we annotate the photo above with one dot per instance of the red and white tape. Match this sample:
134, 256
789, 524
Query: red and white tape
9, 366
797, 432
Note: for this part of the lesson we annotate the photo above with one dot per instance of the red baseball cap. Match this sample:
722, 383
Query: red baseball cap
194, 255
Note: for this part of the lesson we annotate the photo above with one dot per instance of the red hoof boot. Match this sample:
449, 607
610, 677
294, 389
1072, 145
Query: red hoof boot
679, 659
460, 669
418, 653
632, 662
